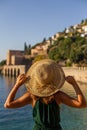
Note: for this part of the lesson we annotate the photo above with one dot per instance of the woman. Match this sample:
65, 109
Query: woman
43, 82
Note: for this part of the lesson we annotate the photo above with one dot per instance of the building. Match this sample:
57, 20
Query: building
16, 63
14, 57
40, 49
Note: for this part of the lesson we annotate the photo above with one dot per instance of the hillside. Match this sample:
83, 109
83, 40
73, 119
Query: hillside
68, 46
71, 45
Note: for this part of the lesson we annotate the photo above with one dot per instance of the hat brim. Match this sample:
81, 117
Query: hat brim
48, 89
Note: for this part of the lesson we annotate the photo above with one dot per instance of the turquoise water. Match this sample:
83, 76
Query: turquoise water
21, 118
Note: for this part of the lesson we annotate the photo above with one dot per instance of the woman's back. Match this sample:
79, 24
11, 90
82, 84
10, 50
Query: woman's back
46, 116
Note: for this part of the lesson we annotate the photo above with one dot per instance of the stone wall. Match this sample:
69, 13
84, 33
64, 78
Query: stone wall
79, 73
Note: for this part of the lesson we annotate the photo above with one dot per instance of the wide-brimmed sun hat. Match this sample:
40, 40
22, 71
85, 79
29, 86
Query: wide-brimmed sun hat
46, 78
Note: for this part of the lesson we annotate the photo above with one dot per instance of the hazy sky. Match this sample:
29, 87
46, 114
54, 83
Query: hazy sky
32, 20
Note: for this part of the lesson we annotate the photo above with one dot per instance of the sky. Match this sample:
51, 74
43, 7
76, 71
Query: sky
31, 21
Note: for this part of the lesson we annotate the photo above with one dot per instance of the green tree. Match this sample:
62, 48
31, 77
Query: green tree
25, 47
82, 21
44, 40
3, 62
85, 53
29, 49
54, 54
85, 22
76, 56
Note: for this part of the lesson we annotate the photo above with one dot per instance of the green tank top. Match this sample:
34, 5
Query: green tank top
46, 116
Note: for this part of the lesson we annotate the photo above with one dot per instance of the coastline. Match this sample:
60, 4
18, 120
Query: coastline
79, 73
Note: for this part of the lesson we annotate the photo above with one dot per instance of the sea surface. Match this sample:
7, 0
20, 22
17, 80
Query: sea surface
21, 118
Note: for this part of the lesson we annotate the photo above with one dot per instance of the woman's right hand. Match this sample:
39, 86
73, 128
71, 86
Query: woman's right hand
21, 79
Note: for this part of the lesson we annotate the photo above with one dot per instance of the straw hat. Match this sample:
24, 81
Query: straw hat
46, 78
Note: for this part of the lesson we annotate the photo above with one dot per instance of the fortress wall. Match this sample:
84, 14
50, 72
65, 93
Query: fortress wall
15, 70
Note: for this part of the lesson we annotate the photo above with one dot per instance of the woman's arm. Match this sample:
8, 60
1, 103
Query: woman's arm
21, 101
78, 102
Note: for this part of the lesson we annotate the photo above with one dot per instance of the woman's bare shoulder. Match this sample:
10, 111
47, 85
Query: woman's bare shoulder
58, 96
59, 93
30, 98
27, 94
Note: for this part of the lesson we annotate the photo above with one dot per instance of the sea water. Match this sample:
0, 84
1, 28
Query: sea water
21, 118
